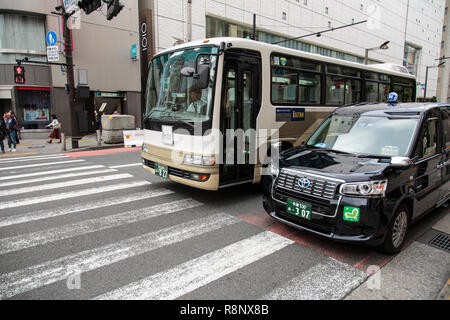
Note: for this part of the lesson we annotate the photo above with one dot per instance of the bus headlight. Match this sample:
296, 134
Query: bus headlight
199, 160
366, 189
145, 147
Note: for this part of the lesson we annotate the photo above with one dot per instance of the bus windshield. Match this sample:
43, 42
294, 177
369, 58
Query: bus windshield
174, 97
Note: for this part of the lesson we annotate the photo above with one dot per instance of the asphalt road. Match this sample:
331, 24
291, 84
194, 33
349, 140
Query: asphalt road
96, 225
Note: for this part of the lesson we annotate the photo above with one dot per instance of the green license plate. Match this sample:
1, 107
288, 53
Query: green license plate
161, 171
299, 209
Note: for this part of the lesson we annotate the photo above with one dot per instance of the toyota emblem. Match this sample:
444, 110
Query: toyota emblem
304, 183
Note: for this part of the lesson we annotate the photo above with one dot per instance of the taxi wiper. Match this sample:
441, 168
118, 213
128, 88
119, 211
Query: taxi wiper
374, 156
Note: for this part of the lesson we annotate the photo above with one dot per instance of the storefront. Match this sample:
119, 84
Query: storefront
33, 106
108, 102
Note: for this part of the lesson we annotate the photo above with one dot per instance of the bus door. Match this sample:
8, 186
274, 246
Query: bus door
240, 107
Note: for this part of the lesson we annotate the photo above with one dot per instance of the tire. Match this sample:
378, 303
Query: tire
396, 232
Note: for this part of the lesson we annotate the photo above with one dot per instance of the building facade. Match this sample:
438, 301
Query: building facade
412, 27
107, 73
443, 93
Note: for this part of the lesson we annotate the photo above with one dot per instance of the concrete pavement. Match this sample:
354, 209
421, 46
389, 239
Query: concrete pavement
40, 146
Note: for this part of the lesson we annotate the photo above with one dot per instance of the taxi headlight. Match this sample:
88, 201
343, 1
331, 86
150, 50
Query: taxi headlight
367, 189
274, 169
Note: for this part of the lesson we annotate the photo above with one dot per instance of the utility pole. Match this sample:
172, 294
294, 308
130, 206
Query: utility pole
254, 27
68, 51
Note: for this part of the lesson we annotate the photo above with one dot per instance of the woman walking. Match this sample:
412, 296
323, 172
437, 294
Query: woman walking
56, 132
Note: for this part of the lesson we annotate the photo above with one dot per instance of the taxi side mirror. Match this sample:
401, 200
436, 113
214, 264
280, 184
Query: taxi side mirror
401, 162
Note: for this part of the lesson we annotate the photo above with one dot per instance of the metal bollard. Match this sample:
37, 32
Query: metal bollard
63, 140
99, 141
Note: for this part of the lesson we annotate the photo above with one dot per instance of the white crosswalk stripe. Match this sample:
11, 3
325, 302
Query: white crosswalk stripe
37, 158
67, 231
126, 165
326, 281
80, 207
174, 283
43, 173
54, 177
70, 194
64, 184
46, 164
20, 281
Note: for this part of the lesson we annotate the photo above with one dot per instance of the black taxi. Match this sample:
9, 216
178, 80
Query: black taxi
365, 174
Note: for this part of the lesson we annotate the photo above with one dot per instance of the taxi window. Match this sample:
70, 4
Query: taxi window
430, 138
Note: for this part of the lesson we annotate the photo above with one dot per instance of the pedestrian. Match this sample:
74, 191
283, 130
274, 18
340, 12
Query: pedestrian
13, 116
11, 127
3, 133
97, 120
56, 132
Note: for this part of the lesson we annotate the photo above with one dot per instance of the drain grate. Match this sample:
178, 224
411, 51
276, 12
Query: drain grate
441, 241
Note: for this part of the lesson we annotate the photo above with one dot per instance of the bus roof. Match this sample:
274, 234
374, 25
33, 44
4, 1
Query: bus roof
387, 68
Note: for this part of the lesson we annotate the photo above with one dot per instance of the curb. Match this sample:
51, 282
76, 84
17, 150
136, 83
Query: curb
445, 292
92, 148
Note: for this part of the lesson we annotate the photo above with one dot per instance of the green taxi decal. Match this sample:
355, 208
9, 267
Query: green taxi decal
351, 214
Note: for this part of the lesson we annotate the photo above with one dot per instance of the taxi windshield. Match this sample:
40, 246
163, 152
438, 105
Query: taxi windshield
365, 135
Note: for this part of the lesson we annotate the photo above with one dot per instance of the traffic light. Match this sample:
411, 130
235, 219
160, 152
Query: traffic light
114, 7
88, 6
19, 74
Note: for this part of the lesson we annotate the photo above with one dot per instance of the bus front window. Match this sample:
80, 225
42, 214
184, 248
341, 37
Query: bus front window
172, 97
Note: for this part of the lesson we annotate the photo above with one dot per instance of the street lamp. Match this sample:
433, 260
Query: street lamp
384, 46
440, 65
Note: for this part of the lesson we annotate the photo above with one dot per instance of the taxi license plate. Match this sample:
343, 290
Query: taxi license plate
161, 171
298, 209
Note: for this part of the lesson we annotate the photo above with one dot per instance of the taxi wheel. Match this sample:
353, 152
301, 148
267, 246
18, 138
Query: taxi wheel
397, 231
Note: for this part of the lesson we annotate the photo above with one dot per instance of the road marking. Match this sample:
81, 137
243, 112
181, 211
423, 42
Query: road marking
72, 194
56, 177
326, 281
40, 164
126, 165
37, 158
191, 275
64, 184
42, 173
32, 239
61, 211
20, 281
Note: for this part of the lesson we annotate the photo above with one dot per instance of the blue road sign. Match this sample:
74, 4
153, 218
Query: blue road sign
51, 38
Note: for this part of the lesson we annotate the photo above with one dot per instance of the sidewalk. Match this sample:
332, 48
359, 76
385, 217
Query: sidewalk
419, 272
40, 146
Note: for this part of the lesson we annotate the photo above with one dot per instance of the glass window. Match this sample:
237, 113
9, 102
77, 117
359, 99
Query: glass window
335, 90
22, 32
172, 96
284, 86
353, 91
429, 138
383, 90
379, 136
288, 61
371, 91
446, 124
309, 88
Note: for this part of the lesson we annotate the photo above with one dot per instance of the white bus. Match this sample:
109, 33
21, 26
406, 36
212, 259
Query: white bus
213, 106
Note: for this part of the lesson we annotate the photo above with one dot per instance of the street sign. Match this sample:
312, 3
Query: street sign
52, 53
51, 38
70, 5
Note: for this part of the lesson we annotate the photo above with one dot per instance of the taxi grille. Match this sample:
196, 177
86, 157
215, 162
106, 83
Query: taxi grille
320, 187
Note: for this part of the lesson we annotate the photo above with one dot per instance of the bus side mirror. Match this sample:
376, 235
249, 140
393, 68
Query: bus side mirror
202, 76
